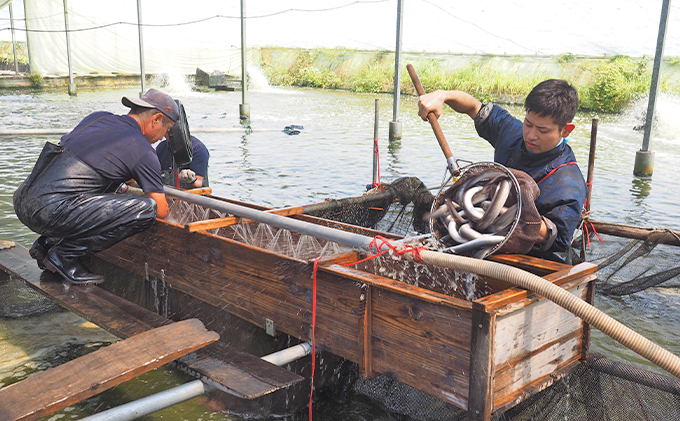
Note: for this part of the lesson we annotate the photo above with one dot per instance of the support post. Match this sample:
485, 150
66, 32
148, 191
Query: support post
71, 83
644, 158
142, 73
14, 40
591, 161
244, 108
480, 396
28, 44
395, 124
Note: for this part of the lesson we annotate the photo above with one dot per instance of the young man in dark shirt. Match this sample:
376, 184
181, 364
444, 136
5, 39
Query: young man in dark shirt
537, 146
70, 199
198, 165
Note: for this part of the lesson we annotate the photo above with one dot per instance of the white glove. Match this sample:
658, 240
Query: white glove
187, 176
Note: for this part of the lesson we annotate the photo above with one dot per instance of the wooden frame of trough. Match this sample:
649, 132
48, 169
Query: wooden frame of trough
483, 356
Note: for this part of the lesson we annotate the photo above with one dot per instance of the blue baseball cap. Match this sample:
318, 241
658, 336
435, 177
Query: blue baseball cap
153, 98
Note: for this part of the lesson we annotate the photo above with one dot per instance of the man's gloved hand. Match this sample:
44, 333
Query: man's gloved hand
187, 176
527, 232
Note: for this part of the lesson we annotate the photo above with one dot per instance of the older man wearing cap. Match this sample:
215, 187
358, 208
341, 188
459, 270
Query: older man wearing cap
69, 198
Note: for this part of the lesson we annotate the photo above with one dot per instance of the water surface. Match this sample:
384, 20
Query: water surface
332, 158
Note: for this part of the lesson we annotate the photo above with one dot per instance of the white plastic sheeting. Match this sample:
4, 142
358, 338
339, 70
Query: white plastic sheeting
174, 44
104, 37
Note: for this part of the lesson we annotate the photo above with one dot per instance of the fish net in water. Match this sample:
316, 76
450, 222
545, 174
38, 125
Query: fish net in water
18, 300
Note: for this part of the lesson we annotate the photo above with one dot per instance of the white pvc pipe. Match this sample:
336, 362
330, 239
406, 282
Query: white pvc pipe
288, 355
153, 403
179, 394
12, 132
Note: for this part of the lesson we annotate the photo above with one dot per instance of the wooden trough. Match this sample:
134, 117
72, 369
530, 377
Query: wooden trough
412, 322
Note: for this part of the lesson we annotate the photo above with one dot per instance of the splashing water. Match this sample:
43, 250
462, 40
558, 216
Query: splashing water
257, 81
666, 111
306, 247
172, 82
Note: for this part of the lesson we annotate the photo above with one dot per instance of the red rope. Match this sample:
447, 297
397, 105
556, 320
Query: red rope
586, 221
311, 392
375, 151
553, 171
415, 251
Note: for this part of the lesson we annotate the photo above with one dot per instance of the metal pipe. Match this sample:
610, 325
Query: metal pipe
142, 72
28, 44
591, 161
331, 234
288, 355
658, 56
244, 108
14, 40
376, 163
644, 158
167, 398
71, 83
395, 124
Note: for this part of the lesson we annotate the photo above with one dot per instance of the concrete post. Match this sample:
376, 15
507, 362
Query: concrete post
71, 83
644, 158
244, 108
395, 124
14, 40
142, 73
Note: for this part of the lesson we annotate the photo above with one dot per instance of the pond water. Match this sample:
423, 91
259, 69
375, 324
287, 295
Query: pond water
332, 158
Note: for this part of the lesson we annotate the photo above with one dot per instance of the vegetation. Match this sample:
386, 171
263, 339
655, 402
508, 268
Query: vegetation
615, 84
603, 85
36, 78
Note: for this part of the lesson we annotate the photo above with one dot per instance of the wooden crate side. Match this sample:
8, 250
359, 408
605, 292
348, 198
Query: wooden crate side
534, 342
425, 345
245, 281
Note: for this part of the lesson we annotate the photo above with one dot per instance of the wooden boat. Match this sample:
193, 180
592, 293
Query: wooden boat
473, 341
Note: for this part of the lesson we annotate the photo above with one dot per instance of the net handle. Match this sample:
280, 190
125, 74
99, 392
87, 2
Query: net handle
432, 118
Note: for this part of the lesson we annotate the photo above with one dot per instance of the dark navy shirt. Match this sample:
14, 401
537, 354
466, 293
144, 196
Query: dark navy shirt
199, 157
563, 193
114, 146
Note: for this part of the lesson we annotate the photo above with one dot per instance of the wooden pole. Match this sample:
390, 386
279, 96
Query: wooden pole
591, 161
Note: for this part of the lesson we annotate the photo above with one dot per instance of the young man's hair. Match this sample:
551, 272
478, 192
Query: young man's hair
555, 98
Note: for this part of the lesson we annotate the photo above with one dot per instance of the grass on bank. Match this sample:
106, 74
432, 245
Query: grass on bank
612, 83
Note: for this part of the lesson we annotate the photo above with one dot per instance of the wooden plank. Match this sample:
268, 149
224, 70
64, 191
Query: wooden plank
366, 334
480, 398
212, 223
226, 368
422, 344
48, 391
531, 264
201, 191
534, 343
583, 271
233, 220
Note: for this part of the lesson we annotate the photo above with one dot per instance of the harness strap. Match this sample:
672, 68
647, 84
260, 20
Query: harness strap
553, 171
